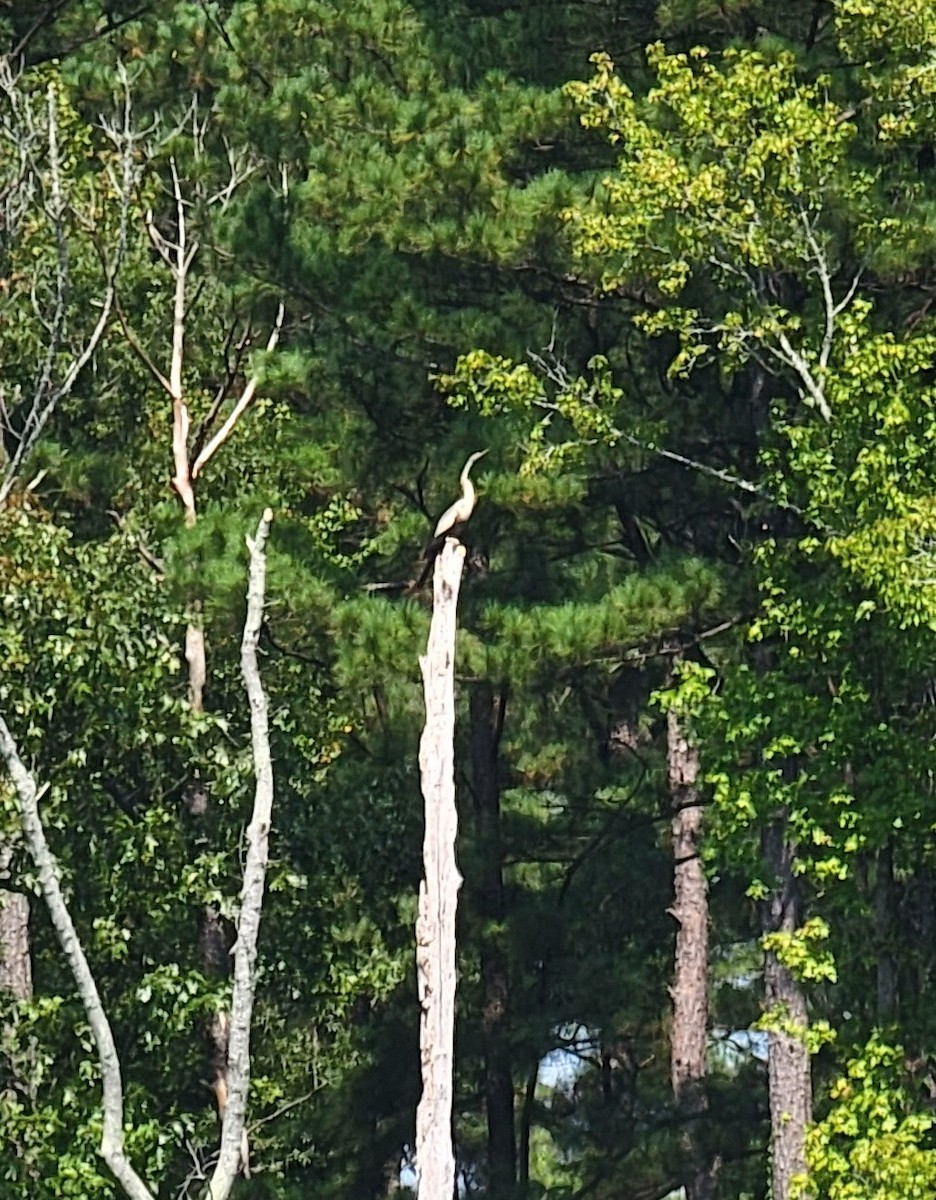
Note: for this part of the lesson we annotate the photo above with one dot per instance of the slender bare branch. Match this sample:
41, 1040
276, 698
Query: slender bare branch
233, 1156
238, 410
47, 394
850, 294
821, 269
47, 870
224, 388
241, 169
183, 253
556, 372
787, 353
163, 247
140, 350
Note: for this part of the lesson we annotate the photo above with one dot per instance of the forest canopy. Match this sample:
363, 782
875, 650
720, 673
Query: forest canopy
672, 266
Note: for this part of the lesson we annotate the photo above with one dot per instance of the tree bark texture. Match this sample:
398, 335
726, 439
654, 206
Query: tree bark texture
438, 892
788, 1067
487, 719
15, 960
15, 974
233, 1158
690, 970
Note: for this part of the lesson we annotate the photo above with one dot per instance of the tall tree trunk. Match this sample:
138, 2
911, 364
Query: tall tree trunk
15, 966
487, 721
690, 971
438, 892
15, 961
788, 1069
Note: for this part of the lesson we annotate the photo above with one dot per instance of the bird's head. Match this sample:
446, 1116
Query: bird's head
471, 461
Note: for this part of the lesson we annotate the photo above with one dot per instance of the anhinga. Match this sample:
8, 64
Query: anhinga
455, 517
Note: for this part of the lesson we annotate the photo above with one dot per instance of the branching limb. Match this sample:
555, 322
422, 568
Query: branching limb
825, 282
238, 410
556, 372
48, 393
28, 795
140, 350
232, 368
787, 353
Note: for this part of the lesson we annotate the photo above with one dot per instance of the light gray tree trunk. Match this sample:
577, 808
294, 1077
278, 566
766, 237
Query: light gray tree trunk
49, 876
15, 969
438, 892
232, 1157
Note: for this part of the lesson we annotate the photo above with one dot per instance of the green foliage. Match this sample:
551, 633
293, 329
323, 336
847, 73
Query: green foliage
893, 45
799, 951
723, 455
724, 163
873, 1143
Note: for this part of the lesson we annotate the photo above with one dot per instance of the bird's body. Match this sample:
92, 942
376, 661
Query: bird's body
455, 517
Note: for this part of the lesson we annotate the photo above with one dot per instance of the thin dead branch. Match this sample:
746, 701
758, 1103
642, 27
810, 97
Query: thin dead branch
47, 870
242, 404
47, 181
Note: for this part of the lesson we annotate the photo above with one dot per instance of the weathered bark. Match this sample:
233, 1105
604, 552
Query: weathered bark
487, 719
15, 964
15, 960
15, 970
234, 1155
884, 904
215, 943
438, 892
788, 1067
690, 970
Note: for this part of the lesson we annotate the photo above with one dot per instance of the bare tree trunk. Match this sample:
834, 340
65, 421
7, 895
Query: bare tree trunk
788, 1068
234, 1153
690, 971
438, 892
487, 721
192, 450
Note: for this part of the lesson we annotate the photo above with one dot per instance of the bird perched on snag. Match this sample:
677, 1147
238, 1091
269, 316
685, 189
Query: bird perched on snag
453, 520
